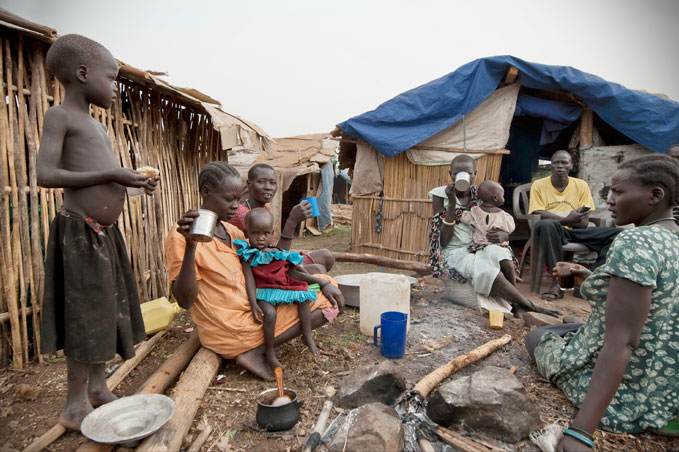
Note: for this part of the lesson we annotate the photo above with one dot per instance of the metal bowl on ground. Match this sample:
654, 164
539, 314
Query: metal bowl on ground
128, 419
350, 286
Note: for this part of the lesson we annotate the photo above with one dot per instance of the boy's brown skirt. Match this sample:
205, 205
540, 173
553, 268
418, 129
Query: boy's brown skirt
91, 305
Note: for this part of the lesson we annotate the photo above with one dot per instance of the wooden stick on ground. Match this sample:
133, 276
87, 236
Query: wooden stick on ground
157, 383
464, 444
198, 443
315, 438
187, 397
425, 445
112, 382
426, 384
383, 261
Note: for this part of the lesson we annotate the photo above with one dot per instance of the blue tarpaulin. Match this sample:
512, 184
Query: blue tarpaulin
556, 115
416, 115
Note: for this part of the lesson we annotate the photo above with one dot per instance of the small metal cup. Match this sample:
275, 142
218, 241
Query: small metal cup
203, 227
462, 181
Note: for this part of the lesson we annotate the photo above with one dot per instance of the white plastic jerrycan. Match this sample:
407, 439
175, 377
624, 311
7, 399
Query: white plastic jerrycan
382, 292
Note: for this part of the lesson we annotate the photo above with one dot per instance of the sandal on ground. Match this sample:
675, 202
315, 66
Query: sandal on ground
553, 293
670, 429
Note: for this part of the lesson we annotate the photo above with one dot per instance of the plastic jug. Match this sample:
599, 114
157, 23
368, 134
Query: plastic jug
158, 314
382, 292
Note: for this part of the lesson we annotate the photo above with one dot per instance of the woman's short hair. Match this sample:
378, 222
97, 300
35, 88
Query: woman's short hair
656, 169
254, 168
214, 174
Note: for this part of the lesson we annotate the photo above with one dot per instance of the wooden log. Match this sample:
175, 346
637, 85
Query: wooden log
187, 397
198, 442
157, 383
161, 379
464, 444
112, 382
382, 261
426, 384
586, 128
512, 73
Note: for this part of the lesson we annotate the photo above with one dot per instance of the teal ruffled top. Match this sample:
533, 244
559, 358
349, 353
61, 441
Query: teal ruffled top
273, 285
256, 258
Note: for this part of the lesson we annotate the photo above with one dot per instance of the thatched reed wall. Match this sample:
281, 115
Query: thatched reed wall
146, 127
406, 208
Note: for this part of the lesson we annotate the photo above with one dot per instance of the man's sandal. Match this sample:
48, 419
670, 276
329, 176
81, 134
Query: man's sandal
553, 293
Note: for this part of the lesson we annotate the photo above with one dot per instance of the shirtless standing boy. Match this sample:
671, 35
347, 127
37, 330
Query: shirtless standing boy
91, 304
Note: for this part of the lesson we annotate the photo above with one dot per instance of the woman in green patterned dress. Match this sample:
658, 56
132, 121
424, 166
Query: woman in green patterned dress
622, 366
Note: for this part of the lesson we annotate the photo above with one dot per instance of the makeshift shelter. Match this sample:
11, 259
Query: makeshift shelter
303, 166
486, 108
176, 130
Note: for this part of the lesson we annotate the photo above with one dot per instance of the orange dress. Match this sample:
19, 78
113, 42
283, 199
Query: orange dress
222, 310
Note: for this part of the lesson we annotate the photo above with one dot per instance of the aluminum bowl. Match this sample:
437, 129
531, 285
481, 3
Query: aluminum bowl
128, 419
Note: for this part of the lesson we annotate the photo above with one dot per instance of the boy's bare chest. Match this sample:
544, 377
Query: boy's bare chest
88, 147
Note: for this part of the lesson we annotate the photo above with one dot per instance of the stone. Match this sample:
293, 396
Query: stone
373, 427
382, 383
491, 400
536, 319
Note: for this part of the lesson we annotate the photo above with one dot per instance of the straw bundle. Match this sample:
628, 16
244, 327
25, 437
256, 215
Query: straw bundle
146, 127
406, 208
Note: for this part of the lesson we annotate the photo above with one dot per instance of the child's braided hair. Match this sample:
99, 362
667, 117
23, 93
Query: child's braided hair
214, 174
656, 169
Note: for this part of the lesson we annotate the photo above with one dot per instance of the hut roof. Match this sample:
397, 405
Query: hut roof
416, 115
234, 131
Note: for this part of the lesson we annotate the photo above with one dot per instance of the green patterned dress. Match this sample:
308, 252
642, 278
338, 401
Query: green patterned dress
648, 395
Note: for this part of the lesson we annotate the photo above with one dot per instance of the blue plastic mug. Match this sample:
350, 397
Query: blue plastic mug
393, 343
314, 205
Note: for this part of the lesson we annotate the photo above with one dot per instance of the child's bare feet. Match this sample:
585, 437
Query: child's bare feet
309, 342
97, 390
271, 359
99, 397
73, 415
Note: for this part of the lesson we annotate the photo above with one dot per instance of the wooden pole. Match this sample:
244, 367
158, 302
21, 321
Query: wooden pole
187, 397
112, 382
425, 385
315, 438
383, 261
586, 128
198, 443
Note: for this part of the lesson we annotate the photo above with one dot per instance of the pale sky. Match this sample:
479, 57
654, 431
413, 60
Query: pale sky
297, 67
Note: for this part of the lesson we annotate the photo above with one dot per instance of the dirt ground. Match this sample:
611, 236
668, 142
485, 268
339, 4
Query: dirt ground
31, 399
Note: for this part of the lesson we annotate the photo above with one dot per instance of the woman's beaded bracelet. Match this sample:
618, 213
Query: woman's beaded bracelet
582, 432
579, 436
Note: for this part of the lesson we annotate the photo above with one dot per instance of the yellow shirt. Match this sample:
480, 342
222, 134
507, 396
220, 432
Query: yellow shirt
543, 196
222, 310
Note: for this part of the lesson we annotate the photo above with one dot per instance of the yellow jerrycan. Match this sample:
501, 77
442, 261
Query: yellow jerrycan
158, 314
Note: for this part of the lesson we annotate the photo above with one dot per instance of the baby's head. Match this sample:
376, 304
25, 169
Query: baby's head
77, 60
259, 225
491, 193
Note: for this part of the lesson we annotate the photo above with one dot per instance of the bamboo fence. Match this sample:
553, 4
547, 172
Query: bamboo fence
146, 127
406, 208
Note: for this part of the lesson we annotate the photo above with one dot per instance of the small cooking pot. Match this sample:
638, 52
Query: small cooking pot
277, 418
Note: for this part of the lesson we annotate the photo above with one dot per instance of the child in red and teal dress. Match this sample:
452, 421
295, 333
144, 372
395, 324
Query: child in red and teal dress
274, 276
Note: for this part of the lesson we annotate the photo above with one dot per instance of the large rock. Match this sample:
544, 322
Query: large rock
382, 383
491, 400
536, 319
372, 427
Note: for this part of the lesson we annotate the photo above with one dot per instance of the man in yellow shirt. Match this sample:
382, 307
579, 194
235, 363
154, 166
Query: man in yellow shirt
563, 204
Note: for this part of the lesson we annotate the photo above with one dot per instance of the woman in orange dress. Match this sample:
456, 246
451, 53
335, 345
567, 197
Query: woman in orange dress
208, 279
